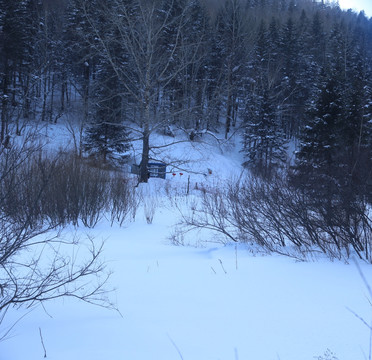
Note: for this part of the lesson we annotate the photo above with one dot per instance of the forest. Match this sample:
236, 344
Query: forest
291, 79
279, 71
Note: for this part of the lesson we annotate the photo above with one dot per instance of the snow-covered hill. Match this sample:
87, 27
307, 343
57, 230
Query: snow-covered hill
206, 302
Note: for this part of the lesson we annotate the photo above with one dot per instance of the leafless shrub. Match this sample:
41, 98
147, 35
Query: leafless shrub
149, 208
177, 238
36, 263
328, 355
95, 196
123, 199
65, 189
209, 211
281, 219
265, 215
277, 215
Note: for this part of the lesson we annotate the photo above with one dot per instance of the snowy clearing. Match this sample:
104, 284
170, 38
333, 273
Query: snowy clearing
213, 301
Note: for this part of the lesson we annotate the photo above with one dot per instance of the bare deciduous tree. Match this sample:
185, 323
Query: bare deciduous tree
149, 36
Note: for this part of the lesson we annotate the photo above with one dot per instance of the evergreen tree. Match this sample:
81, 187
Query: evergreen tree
273, 50
355, 129
106, 137
317, 41
316, 165
264, 143
289, 46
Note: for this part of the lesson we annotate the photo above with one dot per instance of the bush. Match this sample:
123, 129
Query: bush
63, 190
280, 218
39, 194
277, 215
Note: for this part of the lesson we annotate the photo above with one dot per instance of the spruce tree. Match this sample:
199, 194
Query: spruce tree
106, 136
316, 167
264, 142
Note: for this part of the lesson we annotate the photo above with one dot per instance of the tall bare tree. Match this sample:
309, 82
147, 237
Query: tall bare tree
149, 58
232, 28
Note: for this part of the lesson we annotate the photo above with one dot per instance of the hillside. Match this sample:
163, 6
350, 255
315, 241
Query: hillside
207, 300
258, 242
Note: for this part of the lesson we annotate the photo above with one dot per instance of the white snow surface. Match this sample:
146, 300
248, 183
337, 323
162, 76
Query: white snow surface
211, 301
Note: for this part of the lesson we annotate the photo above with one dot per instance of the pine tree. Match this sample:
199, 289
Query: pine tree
318, 171
355, 129
106, 137
264, 142
317, 41
289, 47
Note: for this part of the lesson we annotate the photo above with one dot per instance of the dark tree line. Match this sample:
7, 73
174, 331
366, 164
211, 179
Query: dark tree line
282, 71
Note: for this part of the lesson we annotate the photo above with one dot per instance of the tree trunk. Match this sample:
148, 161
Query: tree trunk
4, 104
144, 172
43, 111
229, 102
228, 115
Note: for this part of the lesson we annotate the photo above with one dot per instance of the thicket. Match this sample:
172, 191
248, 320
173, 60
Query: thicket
276, 217
42, 193
62, 189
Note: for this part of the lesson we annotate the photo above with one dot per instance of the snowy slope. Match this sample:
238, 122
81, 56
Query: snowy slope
208, 302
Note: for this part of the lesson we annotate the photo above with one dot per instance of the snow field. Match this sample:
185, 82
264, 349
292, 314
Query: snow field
212, 301
215, 302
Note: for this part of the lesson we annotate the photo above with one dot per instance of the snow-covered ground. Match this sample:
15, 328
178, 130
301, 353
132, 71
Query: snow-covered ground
213, 301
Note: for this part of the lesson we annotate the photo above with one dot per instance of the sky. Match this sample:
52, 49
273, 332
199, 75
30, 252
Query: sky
357, 5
